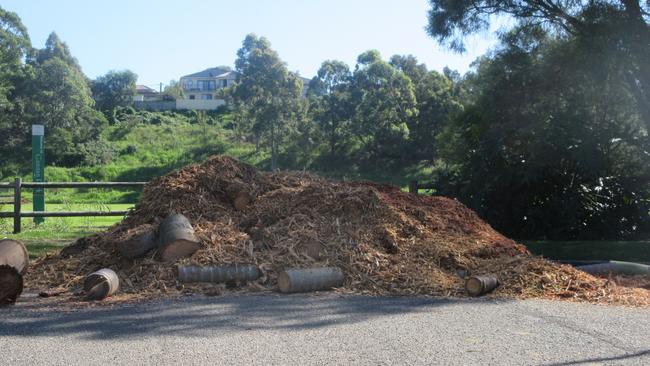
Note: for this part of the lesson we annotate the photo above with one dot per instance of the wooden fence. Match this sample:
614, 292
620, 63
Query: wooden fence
18, 185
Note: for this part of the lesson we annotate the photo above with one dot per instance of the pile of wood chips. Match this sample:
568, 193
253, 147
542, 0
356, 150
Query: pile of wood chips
386, 241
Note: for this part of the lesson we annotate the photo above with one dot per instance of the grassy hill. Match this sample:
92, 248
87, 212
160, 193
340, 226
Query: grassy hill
140, 146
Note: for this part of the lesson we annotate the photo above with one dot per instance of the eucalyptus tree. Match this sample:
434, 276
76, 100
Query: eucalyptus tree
14, 47
549, 148
384, 100
114, 89
331, 105
266, 92
436, 105
615, 29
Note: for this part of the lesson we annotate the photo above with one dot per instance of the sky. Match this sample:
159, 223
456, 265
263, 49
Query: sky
164, 40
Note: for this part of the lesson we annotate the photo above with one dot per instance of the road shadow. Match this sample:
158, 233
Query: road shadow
200, 316
597, 360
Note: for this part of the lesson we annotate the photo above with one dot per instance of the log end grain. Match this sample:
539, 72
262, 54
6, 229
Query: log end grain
11, 284
480, 285
176, 238
178, 249
101, 284
284, 282
14, 253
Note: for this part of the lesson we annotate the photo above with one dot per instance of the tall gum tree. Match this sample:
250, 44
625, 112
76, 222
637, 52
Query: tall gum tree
266, 92
621, 26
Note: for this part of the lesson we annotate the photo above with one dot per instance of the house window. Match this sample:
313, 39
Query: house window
224, 83
205, 85
206, 96
192, 96
187, 84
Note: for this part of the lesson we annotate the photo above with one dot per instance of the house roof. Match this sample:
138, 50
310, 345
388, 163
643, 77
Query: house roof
143, 89
210, 73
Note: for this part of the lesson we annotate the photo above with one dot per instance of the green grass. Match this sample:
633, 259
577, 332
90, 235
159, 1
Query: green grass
143, 151
57, 232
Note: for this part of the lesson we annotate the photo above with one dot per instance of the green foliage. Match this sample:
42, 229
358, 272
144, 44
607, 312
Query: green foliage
266, 93
14, 46
55, 48
384, 99
613, 28
115, 89
48, 89
549, 148
173, 91
437, 103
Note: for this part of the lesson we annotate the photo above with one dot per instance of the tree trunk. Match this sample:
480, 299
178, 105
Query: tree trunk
101, 284
274, 153
176, 238
313, 279
480, 285
11, 284
14, 253
218, 274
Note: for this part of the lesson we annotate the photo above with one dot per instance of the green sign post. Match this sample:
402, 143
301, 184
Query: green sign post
38, 169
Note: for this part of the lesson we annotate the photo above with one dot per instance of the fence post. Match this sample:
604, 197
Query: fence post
17, 198
413, 186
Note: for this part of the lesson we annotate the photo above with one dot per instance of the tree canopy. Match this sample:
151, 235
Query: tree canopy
115, 89
266, 93
617, 29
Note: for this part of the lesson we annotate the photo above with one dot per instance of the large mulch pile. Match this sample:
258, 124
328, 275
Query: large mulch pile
386, 241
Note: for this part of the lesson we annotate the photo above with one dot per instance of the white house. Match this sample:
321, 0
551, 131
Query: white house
205, 84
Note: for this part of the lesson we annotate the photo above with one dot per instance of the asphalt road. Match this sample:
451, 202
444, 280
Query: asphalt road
327, 329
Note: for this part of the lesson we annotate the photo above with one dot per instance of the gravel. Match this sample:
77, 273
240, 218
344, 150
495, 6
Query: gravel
326, 329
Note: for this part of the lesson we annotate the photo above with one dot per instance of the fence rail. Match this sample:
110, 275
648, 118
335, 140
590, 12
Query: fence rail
18, 185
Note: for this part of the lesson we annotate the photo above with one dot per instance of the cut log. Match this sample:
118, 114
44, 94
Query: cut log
138, 245
11, 284
312, 279
176, 238
480, 285
14, 253
101, 284
218, 274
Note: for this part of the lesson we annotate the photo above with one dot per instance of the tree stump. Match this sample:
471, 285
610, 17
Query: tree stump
11, 284
101, 284
14, 253
176, 238
312, 279
480, 285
